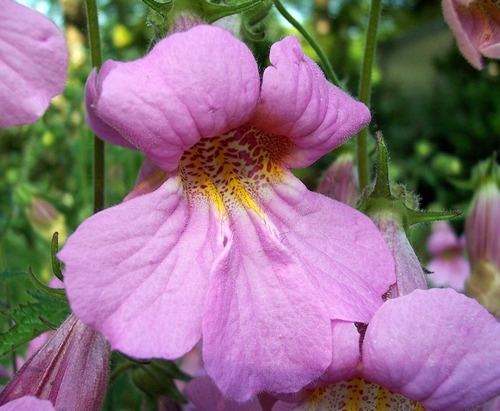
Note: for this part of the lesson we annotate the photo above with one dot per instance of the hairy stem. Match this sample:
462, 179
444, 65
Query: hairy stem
365, 90
96, 59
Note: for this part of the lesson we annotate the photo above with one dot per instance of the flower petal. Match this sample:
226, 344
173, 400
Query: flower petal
346, 355
265, 326
95, 123
449, 272
435, 346
193, 84
409, 273
298, 102
341, 250
204, 394
28, 403
144, 260
463, 29
33, 64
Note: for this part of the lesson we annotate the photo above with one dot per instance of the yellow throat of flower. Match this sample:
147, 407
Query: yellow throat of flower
232, 170
358, 395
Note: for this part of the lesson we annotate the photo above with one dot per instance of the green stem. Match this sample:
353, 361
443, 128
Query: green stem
365, 90
8, 302
95, 53
330, 74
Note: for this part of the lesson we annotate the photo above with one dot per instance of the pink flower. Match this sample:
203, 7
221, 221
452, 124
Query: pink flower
70, 370
231, 247
476, 26
33, 64
449, 267
436, 347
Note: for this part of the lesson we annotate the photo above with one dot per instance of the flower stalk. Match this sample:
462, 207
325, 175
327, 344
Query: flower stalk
365, 90
96, 59
329, 73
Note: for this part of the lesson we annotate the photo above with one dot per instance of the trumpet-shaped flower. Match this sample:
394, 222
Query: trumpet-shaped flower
476, 26
33, 64
448, 266
231, 246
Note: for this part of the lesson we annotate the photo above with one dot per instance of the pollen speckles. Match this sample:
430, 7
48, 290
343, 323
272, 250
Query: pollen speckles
231, 170
358, 394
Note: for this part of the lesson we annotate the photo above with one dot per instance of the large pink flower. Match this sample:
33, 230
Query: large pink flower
231, 247
476, 26
33, 64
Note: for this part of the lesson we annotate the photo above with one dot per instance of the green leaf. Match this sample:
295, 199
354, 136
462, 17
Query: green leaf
31, 319
7, 274
54, 249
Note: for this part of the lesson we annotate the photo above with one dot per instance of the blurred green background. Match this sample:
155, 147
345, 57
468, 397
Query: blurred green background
439, 115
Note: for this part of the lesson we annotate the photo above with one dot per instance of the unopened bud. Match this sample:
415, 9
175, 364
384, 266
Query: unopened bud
45, 219
482, 233
70, 370
482, 227
484, 286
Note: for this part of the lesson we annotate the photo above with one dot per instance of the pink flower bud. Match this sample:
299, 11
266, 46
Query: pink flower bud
70, 370
482, 227
340, 181
45, 219
41, 212
482, 233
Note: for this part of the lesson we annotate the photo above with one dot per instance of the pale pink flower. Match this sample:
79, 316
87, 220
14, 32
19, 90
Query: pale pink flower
231, 247
33, 64
448, 266
476, 26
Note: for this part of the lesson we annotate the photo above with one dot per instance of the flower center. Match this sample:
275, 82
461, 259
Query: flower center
233, 169
486, 13
358, 394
